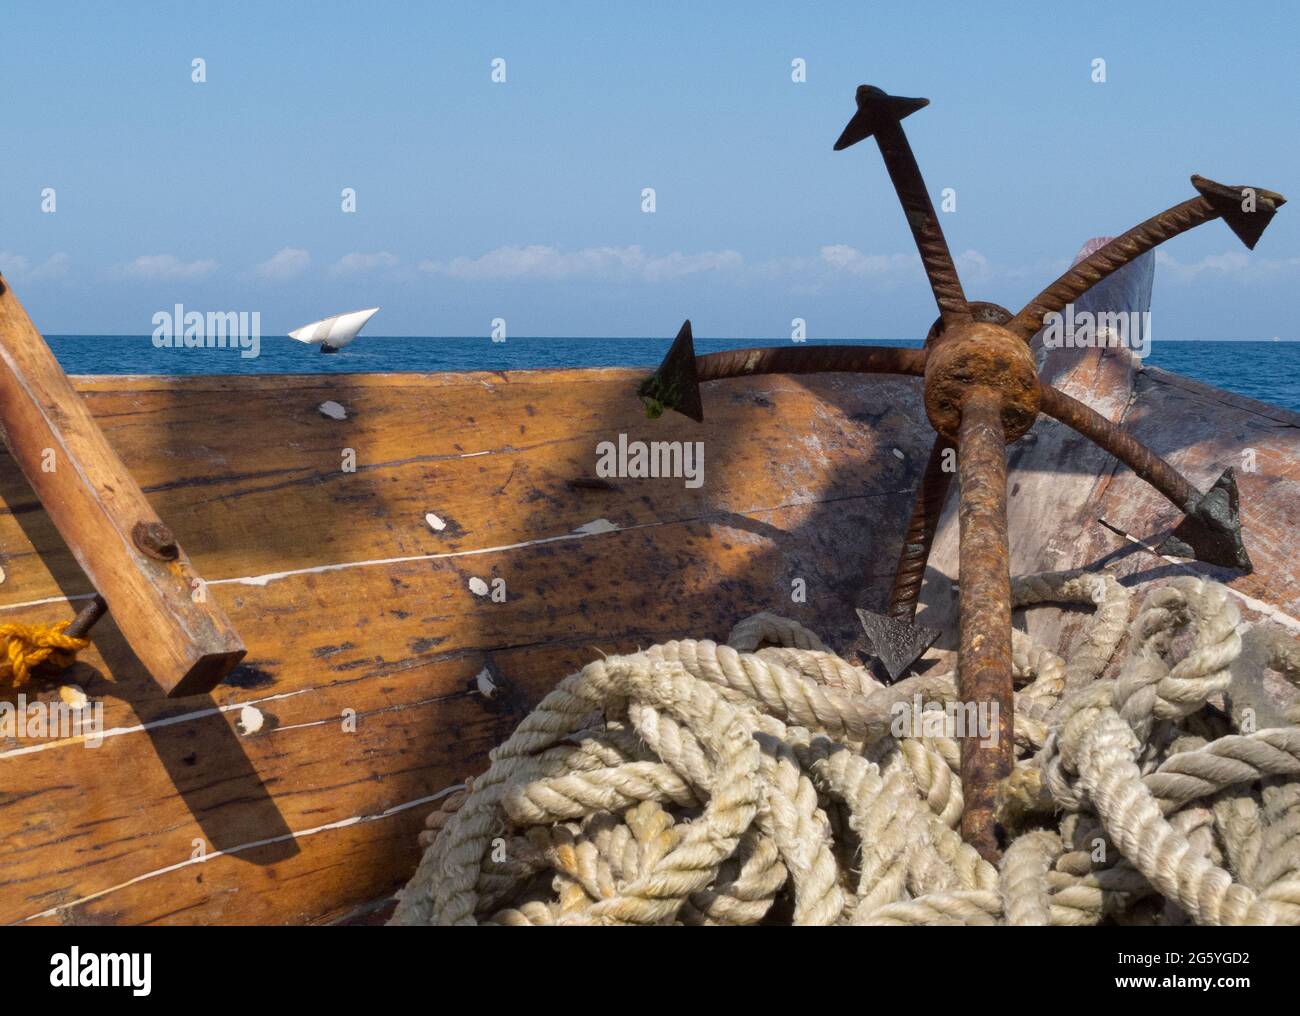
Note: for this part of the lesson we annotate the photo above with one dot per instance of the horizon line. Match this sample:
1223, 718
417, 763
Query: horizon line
626, 338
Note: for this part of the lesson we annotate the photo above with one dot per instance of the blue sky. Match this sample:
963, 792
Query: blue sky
522, 199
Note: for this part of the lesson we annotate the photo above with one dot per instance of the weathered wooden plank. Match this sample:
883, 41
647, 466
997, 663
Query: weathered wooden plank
107, 523
306, 887
492, 457
417, 715
401, 642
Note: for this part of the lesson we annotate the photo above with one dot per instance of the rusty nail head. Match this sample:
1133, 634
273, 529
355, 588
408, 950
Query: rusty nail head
155, 540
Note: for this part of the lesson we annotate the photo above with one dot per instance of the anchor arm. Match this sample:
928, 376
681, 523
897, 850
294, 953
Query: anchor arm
921, 527
676, 384
894, 637
1133, 453
811, 360
1211, 529
1214, 201
879, 115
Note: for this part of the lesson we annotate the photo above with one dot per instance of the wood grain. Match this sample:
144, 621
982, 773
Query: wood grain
184, 641
306, 820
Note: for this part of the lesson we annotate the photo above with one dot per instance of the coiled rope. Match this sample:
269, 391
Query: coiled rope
694, 783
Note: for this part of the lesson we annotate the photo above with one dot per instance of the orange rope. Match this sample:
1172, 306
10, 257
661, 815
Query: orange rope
28, 646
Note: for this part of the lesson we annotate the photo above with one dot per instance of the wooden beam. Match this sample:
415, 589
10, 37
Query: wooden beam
131, 558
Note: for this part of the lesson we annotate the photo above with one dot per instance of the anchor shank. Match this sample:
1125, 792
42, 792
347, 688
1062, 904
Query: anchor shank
984, 654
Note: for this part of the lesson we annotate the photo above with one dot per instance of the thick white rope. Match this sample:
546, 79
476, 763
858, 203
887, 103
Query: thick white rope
770, 781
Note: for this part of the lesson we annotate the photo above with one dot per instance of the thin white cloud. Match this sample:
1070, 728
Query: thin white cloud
286, 263
20, 269
843, 258
1230, 265
972, 265
608, 263
830, 266
356, 264
154, 267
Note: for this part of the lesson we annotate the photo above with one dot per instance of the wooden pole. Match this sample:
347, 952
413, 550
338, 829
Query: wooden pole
130, 557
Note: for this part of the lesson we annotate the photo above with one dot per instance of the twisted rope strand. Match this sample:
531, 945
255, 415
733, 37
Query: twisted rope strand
769, 780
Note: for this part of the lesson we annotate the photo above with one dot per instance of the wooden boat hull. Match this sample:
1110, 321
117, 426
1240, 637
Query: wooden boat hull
355, 608
350, 600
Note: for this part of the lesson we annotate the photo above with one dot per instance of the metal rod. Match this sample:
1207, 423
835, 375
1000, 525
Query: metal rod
87, 618
879, 115
810, 360
1246, 210
1110, 258
909, 184
984, 654
927, 508
1128, 449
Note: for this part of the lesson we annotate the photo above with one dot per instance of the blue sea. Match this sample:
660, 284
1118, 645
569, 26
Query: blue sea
1267, 371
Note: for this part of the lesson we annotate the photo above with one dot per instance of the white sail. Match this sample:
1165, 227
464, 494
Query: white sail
334, 332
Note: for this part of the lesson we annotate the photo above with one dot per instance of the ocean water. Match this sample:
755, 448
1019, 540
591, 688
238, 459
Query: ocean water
1267, 371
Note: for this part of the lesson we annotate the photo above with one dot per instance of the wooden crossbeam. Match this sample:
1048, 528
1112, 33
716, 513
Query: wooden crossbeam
131, 558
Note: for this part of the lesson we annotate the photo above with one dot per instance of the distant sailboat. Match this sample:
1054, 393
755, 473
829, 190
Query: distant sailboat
333, 333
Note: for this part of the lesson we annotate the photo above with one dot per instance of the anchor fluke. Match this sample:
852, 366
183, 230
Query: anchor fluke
897, 644
675, 385
876, 109
1246, 210
1211, 531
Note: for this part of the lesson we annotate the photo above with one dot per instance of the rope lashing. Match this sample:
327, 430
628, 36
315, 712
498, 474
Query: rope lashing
696, 783
26, 647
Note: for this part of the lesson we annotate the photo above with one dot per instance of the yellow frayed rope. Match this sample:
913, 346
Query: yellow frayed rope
29, 646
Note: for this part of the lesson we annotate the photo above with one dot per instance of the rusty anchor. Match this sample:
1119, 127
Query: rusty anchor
982, 392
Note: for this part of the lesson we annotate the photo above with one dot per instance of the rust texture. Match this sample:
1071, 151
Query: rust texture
980, 354
880, 116
810, 360
1246, 210
924, 223
984, 656
87, 618
155, 540
1114, 256
920, 533
982, 392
